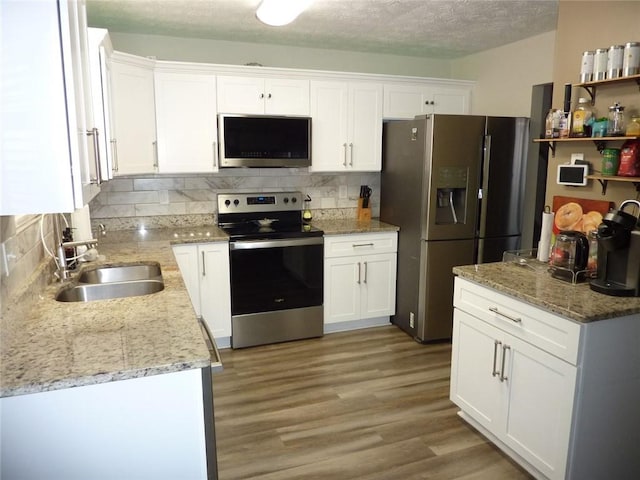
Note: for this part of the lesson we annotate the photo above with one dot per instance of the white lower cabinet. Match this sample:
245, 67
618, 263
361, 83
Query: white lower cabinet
559, 397
205, 270
144, 428
359, 277
518, 392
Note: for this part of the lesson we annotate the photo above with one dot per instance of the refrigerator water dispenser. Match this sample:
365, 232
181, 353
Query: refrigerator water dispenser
451, 195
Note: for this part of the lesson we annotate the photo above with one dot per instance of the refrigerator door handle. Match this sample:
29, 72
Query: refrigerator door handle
484, 188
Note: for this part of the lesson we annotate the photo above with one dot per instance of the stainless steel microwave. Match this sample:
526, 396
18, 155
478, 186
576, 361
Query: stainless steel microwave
264, 141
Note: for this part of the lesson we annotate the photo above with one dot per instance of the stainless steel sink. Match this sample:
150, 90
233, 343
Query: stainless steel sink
113, 281
121, 273
103, 291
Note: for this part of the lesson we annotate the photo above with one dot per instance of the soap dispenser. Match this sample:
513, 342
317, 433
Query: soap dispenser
306, 213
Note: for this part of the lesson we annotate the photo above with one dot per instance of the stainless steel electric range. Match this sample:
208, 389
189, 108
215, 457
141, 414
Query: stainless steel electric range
276, 263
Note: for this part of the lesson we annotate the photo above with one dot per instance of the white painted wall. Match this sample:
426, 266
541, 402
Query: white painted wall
240, 53
505, 75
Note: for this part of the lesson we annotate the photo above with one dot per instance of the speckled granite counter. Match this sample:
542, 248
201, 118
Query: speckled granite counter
537, 287
343, 227
49, 345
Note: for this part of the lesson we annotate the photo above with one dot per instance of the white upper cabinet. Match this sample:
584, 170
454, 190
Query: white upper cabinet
134, 118
186, 122
272, 96
47, 134
100, 51
346, 126
405, 101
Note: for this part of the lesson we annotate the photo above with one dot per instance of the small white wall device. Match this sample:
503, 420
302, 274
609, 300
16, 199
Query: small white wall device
574, 174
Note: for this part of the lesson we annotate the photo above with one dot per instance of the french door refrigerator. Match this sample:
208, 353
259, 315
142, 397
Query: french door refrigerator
454, 184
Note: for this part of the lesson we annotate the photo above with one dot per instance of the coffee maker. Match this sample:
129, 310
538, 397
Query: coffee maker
619, 254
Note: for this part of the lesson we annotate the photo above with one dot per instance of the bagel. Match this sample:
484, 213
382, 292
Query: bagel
568, 216
591, 220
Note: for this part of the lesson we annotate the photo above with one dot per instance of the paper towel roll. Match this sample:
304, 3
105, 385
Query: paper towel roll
544, 245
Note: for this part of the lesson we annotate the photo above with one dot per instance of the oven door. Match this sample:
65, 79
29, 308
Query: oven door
273, 275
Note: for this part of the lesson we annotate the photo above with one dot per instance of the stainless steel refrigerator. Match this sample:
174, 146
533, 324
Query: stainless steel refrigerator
454, 184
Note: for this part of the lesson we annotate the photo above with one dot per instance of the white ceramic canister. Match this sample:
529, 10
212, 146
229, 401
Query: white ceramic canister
615, 58
631, 61
586, 68
600, 64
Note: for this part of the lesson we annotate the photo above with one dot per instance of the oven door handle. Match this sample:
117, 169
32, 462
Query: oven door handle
290, 242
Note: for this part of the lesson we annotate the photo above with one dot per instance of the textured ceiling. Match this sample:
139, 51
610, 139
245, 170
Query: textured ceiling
422, 28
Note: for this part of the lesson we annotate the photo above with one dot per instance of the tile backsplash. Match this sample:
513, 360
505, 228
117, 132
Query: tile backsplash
124, 201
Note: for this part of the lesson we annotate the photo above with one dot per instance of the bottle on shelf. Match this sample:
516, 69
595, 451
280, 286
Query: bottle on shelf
582, 119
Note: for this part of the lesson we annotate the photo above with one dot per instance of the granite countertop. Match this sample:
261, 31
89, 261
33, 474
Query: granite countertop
48, 345
534, 285
347, 226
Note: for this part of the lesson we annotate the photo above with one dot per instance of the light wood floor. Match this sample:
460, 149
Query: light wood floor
367, 404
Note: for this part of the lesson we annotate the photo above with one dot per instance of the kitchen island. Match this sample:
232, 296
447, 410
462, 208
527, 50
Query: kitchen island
548, 370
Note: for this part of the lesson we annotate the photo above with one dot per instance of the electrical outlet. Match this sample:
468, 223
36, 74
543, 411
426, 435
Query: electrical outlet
411, 319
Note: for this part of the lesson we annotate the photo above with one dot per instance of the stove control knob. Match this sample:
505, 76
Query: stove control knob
236, 202
286, 200
294, 199
227, 202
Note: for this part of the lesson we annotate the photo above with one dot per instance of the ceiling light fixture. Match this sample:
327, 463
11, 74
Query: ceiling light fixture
281, 12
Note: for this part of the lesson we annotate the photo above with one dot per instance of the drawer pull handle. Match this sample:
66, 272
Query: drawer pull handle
503, 377
356, 245
498, 312
496, 344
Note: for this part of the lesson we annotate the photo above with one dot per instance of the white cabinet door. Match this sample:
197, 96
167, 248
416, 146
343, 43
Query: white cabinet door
450, 100
45, 149
205, 271
539, 407
519, 393
286, 96
329, 105
188, 262
347, 126
186, 122
341, 290
215, 287
365, 127
378, 285
275, 96
134, 115
100, 50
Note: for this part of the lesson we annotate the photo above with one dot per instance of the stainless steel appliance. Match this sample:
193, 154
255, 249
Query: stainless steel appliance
276, 263
264, 141
454, 184
619, 253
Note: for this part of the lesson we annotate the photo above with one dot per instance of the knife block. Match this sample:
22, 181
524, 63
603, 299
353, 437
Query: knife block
364, 214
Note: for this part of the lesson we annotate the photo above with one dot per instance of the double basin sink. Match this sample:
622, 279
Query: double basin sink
113, 281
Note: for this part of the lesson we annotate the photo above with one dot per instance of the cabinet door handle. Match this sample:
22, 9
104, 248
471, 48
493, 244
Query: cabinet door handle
93, 133
496, 344
155, 154
269, 96
344, 146
365, 272
114, 155
503, 377
215, 154
204, 267
359, 273
509, 317
261, 96
351, 154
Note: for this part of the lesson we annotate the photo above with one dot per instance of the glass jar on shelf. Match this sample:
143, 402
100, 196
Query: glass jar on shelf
633, 127
616, 123
582, 119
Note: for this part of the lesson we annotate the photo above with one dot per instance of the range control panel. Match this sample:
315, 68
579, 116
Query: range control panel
259, 202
